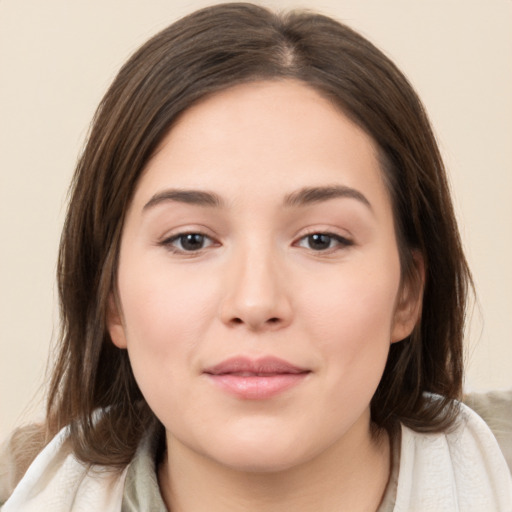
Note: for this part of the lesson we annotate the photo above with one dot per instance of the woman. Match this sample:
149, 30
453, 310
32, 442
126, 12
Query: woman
262, 287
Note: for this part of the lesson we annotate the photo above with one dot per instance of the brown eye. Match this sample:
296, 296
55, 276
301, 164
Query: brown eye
319, 241
192, 241
188, 242
324, 241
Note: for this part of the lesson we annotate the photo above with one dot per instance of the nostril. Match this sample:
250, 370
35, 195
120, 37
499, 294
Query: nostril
238, 321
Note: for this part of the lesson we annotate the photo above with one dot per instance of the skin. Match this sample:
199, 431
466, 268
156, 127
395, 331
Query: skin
255, 286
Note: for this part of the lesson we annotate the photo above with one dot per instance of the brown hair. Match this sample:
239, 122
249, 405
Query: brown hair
208, 51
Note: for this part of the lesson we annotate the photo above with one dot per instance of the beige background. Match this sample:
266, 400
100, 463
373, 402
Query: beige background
57, 57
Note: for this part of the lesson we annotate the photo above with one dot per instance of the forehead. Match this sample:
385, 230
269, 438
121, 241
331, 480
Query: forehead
265, 138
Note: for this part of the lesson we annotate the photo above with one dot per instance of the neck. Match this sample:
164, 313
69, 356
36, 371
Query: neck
350, 475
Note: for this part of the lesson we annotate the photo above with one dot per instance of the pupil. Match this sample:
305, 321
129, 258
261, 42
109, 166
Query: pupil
319, 241
192, 241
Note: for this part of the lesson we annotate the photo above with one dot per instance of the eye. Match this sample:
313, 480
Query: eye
323, 241
188, 242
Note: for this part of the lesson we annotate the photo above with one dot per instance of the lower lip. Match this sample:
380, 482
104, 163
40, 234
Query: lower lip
257, 387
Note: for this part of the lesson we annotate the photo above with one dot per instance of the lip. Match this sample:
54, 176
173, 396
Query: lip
256, 379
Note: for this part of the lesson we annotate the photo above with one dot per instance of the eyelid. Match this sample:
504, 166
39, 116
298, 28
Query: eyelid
344, 241
333, 231
168, 240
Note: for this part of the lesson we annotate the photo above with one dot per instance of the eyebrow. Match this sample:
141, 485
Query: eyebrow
196, 197
310, 195
303, 197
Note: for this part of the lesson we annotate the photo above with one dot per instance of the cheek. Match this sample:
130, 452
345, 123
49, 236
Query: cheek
352, 319
163, 309
165, 319
354, 304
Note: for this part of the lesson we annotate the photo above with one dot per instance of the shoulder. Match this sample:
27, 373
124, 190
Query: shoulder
462, 469
17, 453
57, 481
495, 408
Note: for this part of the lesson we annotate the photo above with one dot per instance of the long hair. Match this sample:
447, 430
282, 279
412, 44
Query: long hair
208, 51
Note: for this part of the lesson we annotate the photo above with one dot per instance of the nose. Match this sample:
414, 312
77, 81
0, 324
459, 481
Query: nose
256, 292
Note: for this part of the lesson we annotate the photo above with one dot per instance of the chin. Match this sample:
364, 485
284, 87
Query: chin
260, 461
259, 454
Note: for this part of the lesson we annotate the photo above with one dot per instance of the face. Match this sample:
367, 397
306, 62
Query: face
259, 282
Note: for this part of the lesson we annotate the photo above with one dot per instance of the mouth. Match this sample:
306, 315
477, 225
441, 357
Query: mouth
258, 379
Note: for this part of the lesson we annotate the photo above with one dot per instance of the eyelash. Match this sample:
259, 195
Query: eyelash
169, 243
341, 241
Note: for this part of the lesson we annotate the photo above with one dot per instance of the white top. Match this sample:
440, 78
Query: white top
460, 471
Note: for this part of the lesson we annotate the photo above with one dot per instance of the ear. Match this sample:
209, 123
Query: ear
115, 325
410, 300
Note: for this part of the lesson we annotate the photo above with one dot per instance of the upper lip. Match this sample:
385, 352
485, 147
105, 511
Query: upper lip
245, 366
